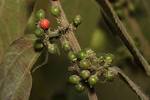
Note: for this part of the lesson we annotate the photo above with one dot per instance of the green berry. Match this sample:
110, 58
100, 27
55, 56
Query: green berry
109, 58
40, 14
55, 11
82, 54
109, 75
52, 48
38, 46
93, 80
79, 87
39, 32
74, 79
72, 56
85, 74
77, 20
66, 46
84, 64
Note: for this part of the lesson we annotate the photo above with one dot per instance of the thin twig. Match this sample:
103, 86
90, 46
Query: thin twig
132, 85
71, 39
91, 94
117, 27
41, 65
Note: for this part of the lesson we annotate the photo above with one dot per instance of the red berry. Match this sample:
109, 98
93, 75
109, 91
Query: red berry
44, 24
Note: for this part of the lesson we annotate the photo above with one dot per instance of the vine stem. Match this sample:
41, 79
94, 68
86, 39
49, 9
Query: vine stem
74, 44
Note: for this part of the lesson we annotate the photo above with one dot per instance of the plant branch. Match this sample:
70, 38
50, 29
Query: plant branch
137, 33
132, 85
71, 39
117, 27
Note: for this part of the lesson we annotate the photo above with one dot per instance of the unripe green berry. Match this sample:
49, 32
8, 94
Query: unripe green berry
39, 32
66, 46
82, 54
79, 87
77, 20
72, 56
109, 58
93, 80
109, 75
85, 74
40, 14
84, 64
38, 46
74, 79
52, 48
55, 11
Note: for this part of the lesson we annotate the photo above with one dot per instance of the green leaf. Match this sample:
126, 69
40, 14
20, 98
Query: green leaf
15, 76
14, 15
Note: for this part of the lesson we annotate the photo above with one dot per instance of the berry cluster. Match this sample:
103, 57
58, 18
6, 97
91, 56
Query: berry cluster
46, 37
86, 67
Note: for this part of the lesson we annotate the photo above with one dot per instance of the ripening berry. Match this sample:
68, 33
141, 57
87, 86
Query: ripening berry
77, 20
39, 32
72, 56
93, 80
55, 11
74, 79
84, 64
85, 74
82, 54
44, 24
40, 14
79, 87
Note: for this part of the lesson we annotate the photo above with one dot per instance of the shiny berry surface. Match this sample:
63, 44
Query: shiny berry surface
85, 74
79, 87
82, 54
92, 80
44, 24
74, 79
55, 11
40, 14
84, 64
72, 56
